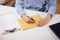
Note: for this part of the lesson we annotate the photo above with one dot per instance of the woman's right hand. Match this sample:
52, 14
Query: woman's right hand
27, 18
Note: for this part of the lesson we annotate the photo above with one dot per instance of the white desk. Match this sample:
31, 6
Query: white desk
42, 33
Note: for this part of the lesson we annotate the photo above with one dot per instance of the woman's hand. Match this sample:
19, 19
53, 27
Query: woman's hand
44, 21
27, 18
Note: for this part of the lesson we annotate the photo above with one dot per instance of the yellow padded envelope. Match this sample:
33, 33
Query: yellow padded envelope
26, 25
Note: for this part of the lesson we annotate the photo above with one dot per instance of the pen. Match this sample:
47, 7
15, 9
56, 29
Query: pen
31, 19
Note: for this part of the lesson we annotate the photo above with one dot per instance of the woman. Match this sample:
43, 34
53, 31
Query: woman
48, 6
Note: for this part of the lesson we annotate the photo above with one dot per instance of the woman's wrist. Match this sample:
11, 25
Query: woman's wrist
23, 15
50, 15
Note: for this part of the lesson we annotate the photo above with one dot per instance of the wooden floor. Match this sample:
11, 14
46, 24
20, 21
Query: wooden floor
58, 7
9, 3
57, 10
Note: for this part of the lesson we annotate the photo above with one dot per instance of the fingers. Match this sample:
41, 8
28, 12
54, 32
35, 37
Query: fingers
30, 20
41, 23
44, 21
27, 19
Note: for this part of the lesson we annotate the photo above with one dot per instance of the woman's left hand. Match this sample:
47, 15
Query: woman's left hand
45, 20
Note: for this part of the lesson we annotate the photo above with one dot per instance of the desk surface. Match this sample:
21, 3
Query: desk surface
38, 33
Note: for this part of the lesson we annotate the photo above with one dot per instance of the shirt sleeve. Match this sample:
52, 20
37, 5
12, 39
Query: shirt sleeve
52, 8
19, 7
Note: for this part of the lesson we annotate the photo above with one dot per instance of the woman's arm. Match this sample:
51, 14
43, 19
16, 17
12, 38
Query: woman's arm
51, 12
19, 8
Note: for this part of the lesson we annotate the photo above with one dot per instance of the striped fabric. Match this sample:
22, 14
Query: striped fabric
48, 6
38, 5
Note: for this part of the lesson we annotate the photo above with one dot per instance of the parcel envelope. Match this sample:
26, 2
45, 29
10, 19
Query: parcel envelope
26, 25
